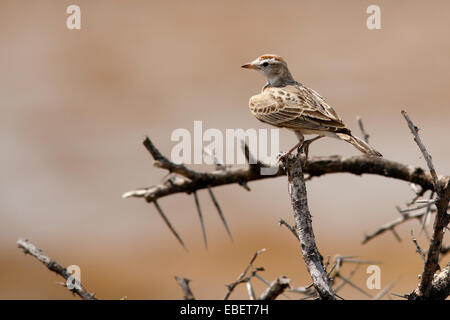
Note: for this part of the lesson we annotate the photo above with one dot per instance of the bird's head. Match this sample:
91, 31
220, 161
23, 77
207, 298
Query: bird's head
273, 67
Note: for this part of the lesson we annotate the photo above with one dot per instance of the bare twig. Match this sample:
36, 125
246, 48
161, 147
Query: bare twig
343, 283
303, 290
184, 284
242, 277
276, 288
71, 283
164, 163
441, 187
391, 225
426, 155
385, 291
251, 292
427, 211
401, 211
233, 285
346, 280
267, 283
290, 228
339, 262
313, 259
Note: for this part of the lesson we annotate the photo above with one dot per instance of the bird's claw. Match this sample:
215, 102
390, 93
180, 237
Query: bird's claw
282, 156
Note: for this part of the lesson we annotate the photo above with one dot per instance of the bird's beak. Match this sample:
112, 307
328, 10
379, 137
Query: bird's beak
249, 66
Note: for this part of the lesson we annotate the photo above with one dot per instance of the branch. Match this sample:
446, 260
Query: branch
385, 291
74, 285
441, 187
276, 288
311, 256
390, 226
439, 288
184, 284
339, 262
426, 155
250, 291
316, 166
290, 228
243, 278
164, 163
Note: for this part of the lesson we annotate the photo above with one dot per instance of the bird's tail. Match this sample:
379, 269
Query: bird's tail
359, 144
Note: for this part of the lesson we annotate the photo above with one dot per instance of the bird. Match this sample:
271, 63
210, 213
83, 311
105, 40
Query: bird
286, 103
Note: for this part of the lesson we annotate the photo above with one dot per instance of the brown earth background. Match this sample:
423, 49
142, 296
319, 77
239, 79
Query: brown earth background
75, 106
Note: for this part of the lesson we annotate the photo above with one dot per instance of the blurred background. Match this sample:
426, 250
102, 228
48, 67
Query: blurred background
76, 105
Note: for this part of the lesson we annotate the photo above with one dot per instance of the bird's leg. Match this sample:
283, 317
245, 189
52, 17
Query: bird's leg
305, 146
298, 145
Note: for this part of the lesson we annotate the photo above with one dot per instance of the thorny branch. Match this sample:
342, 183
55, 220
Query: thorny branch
184, 284
275, 289
426, 155
426, 289
432, 285
244, 277
189, 181
390, 226
311, 255
71, 283
440, 188
439, 287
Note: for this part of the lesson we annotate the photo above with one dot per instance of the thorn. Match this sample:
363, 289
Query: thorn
161, 213
396, 235
222, 217
202, 223
404, 296
244, 185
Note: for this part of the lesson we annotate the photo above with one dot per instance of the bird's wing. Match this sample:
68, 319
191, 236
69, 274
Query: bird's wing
295, 107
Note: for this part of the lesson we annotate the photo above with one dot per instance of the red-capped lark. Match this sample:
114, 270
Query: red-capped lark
286, 103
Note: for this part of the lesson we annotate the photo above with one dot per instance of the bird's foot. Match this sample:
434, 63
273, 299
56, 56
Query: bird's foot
282, 157
304, 148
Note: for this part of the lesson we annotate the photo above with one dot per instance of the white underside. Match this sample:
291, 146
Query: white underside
314, 132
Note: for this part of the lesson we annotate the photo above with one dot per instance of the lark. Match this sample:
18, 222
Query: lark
286, 103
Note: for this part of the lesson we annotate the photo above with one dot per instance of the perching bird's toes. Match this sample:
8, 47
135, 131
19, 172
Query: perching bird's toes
282, 157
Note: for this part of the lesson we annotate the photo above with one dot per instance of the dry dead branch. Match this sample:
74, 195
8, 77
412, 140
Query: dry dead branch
71, 283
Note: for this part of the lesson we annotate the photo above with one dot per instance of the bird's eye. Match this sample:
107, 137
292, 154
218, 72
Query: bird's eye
265, 64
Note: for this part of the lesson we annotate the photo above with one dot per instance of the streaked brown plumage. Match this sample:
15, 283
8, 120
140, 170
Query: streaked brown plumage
285, 103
